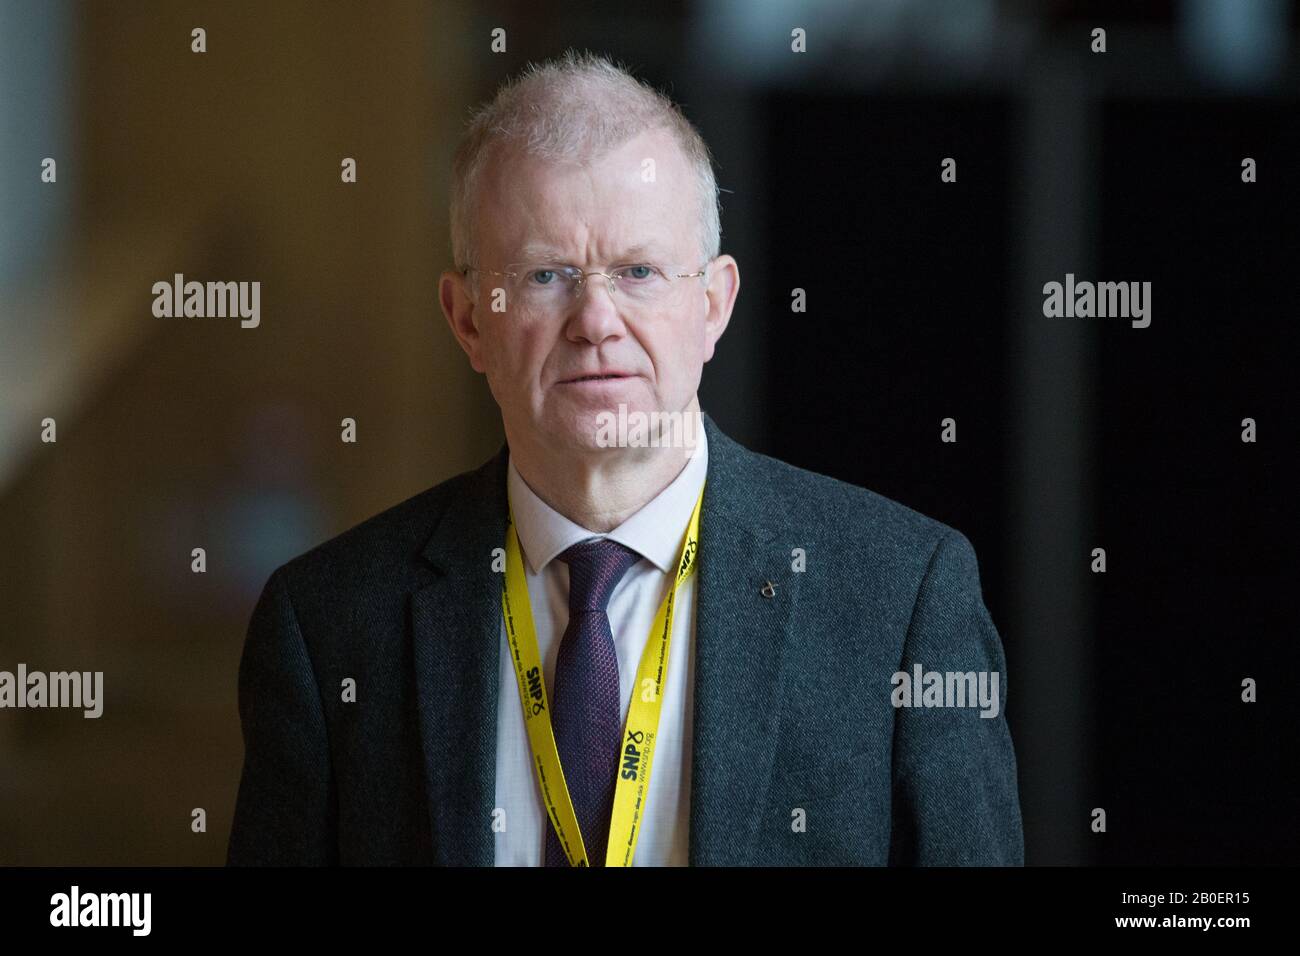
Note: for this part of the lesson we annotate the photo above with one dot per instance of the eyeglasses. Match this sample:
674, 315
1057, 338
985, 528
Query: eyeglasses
549, 286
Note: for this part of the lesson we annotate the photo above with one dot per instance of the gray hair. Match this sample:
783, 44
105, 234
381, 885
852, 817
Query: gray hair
532, 114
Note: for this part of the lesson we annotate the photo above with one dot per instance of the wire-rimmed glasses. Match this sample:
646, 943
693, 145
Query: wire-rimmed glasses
548, 286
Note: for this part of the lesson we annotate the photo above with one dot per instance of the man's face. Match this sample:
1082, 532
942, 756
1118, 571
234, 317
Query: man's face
599, 215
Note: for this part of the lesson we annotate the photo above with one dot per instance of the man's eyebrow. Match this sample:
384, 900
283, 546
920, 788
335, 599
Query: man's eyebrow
542, 252
638, 252
538, 252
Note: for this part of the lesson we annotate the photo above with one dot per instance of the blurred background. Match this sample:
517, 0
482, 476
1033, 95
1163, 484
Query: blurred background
924, 302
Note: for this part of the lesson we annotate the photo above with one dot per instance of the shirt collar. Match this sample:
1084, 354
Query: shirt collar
655, 532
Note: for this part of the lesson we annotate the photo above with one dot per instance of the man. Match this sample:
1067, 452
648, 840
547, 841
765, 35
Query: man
610, 646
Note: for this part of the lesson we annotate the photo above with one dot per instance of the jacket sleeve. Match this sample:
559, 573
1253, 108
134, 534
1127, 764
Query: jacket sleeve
285, 812
954, 792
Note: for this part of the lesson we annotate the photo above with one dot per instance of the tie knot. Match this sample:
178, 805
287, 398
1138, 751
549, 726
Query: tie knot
595, 568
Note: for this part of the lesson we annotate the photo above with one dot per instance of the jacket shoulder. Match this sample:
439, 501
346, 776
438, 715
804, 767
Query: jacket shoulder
839, 511
383, 549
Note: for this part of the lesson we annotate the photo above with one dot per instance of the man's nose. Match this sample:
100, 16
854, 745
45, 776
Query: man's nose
595, 314
594, 281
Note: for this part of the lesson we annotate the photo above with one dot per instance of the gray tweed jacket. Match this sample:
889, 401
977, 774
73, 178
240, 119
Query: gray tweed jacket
800, 754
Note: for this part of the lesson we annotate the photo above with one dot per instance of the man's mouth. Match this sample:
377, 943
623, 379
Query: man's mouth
594, 378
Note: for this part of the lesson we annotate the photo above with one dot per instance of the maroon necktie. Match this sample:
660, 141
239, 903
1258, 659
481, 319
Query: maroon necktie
586, 699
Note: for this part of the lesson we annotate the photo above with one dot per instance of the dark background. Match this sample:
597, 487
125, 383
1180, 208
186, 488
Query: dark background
924, 302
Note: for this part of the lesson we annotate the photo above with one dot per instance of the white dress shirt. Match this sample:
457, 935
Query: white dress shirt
655, 532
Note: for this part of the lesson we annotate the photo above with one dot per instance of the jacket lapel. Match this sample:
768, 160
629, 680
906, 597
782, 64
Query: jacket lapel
456, 624
741, 641
740, 648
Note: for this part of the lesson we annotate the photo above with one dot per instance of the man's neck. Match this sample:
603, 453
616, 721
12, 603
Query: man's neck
601, 489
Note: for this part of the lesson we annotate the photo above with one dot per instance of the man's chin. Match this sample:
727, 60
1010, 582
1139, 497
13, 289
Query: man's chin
593, 429
624, 427
585, 430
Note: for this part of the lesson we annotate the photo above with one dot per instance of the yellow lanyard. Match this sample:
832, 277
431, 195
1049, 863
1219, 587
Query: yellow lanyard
631, 792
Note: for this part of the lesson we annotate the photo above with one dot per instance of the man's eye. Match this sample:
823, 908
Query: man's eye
639, 273
543, 277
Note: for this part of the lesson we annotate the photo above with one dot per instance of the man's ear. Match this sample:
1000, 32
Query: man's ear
458, 307
723, 287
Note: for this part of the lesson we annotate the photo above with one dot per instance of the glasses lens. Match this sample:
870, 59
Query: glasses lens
642, 283
543, 285
552, 286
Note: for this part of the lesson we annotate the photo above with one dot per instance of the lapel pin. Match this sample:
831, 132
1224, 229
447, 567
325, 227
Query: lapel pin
769, 590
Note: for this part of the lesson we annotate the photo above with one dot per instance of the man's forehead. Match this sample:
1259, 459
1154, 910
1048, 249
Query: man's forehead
530, 220
634, 166
588, 230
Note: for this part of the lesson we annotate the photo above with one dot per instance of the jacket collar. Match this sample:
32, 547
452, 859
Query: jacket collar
740, 647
